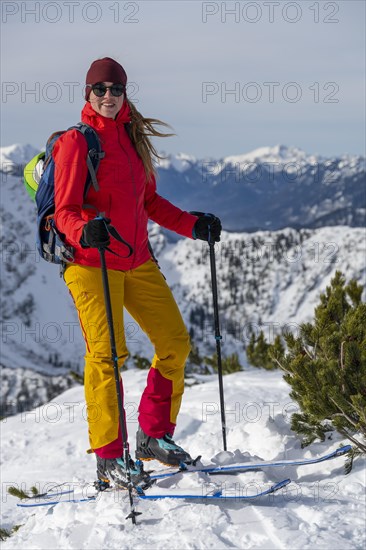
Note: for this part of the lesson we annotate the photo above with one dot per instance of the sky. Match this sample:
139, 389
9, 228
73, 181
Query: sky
229, 77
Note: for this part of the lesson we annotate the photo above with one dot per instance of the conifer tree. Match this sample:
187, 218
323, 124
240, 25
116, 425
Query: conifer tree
230, 363
258, 351
325, 365
194, 355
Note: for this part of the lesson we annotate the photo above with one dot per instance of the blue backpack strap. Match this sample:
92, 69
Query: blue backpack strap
50, 242
94, 156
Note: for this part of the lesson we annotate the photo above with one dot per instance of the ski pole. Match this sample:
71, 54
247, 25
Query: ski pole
218, 336
122, 416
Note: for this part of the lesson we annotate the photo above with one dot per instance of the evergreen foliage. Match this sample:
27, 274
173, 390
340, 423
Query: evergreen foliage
79, 378
19, 493
194, 355
208, 364
230, 363
325, 365
141, 362
258, 351
4, 534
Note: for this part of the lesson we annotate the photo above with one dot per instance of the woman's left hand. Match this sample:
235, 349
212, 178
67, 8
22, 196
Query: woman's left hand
207, 228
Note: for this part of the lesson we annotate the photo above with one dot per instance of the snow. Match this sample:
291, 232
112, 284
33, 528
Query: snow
278, 155
290, 161
16, 154
270, 154
179, 162
282, 155
321, 508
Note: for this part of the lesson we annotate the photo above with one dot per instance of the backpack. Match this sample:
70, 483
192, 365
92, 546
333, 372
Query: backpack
39, 182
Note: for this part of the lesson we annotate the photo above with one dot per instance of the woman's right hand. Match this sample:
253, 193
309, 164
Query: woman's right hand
95, 234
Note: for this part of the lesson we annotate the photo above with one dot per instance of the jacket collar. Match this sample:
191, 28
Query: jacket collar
94, 119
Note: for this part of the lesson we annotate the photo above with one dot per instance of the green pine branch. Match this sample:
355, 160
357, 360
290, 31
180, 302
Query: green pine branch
325, 365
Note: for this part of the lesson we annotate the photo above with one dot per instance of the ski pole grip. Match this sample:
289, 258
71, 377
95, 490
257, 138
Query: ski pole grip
210, 241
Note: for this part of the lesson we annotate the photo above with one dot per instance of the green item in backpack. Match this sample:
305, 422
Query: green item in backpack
32, 174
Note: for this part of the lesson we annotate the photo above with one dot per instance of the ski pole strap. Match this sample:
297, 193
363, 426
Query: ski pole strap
114, 233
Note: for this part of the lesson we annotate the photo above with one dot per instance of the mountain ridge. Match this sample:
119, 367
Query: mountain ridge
267, 188
266, 279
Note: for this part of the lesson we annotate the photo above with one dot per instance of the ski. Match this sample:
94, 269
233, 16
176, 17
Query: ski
47, 497
54, 502
218, 495
211, 470
51, 495
233, 468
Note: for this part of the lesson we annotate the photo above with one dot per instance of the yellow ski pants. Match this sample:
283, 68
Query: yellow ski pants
146, 296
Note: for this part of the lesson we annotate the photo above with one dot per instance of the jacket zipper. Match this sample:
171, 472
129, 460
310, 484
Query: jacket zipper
136, 199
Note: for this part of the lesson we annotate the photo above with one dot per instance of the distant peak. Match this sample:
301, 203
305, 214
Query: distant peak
276, 153
180, 162
16, 154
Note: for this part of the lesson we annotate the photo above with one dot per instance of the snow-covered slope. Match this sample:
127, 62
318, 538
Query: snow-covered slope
267, 281
15, 156
322, 508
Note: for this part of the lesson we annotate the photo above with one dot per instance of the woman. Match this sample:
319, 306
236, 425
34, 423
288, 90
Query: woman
128, 198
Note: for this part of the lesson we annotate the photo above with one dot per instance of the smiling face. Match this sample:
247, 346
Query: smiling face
108, 105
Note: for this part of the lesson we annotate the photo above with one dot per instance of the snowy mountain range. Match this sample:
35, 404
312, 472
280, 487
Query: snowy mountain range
269, 188
268, 280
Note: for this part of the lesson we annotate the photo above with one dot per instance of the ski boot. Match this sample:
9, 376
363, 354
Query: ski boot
163, 449
114, 470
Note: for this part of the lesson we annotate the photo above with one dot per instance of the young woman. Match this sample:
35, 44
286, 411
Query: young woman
128, 197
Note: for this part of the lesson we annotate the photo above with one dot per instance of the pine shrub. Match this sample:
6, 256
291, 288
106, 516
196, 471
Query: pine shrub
4, 534
141, 362
325, 365
258, 351
229, 364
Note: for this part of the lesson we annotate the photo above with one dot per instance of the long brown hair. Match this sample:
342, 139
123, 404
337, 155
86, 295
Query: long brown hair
141, 130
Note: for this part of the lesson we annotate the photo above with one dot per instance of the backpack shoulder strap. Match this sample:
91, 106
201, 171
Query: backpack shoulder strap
94, 156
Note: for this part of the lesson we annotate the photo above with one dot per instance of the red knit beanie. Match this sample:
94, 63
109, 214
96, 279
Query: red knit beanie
105, 70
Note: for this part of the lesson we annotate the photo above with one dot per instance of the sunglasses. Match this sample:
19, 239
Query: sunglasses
100, 89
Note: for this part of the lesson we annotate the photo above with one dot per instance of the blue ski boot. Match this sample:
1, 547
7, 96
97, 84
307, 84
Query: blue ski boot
164, 450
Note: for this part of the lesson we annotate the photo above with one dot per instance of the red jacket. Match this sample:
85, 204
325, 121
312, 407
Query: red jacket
124, 195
